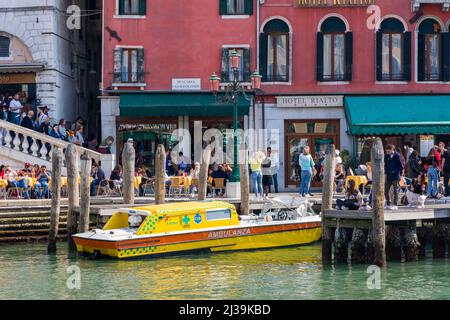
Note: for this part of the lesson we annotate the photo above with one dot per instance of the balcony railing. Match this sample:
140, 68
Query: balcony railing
334, 77
277, 78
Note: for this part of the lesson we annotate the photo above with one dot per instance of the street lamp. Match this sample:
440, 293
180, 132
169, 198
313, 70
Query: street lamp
231, 95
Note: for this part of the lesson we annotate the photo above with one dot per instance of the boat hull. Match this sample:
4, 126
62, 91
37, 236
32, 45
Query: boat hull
241, 238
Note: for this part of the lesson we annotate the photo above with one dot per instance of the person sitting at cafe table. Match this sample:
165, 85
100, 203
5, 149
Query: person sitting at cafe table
99, 178
42, 180
353, 198
21, 181
116, 178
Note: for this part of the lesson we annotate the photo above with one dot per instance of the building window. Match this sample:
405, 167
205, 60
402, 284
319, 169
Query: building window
132, 7
393, 52
235, 7
129, 65
5, 43
433, 47
244, 68
334, 51
274, 51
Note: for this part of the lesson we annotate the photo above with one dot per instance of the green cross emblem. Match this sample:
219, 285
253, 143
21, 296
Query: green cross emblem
186, 220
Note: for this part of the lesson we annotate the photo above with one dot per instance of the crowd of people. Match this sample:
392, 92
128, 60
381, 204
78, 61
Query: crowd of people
13, 111
420, 178
18, 180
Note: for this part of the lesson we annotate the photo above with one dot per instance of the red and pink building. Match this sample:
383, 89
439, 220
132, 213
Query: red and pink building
333, 71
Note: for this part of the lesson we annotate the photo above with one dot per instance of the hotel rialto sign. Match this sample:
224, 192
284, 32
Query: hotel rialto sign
332, 3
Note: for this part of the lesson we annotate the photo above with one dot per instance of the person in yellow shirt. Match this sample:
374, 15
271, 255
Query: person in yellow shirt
255, 166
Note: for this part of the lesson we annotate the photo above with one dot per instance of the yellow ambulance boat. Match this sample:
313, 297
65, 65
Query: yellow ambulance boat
189, 226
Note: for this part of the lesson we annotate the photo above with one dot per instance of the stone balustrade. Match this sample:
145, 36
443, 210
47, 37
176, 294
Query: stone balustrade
23, 144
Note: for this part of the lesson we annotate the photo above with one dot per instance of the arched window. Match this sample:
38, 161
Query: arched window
334, 51
433, 47
5, 43
274, 51
393, 51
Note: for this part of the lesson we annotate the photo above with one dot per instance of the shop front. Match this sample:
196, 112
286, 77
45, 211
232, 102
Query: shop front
317, 135
423, 121
151, 119
23, 83
313, 121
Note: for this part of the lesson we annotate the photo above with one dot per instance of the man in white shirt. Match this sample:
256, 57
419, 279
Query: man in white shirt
15, 106
274, 167
338, 157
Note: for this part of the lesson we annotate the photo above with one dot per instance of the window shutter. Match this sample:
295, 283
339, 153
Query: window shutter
142, 7
223, 10
263, 37
349, 56
4, 46
445, 56
407, 56
249, 7
121, 8
246, 65
379, 45
118, 65
421, 57
226, 76
141, 66
319, 56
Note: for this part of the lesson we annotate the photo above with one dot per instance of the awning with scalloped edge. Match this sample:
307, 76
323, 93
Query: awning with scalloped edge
398, 115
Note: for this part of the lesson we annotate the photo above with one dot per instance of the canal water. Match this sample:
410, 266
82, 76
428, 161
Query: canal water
27, 272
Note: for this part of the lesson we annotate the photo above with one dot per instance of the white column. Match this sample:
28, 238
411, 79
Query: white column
187, 139
110, 110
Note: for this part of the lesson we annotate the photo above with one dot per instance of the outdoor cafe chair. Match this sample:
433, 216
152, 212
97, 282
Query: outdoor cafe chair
219, 185
176, 186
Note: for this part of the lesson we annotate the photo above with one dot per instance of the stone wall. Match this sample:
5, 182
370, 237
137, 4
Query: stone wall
41, 26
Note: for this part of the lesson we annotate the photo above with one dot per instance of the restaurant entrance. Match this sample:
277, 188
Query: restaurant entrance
317, 134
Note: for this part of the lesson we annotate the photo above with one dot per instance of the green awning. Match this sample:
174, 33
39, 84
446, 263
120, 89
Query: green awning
398, 115
177, 104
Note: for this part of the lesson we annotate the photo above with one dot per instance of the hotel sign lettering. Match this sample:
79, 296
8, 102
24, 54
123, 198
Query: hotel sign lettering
332, 3
310, 101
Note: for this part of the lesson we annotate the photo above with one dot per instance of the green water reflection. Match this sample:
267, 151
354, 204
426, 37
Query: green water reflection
27, 272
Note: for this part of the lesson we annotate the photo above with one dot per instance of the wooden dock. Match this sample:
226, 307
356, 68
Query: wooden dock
408, 231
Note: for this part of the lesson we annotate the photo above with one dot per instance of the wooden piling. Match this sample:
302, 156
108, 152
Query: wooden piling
393, 243
422, 236
204, 168
327, 200
56, 198
85, 200
128, 163
72, 163
378, 185
411, 243
438, 240
160, 175
340, 245
245, 185
358, 246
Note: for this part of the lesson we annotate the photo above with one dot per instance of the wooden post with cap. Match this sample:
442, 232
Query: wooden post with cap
85, 200
56, 198
327, 200
128, 161
160, 175
245, 184
203, 177
378, 185
72, 163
